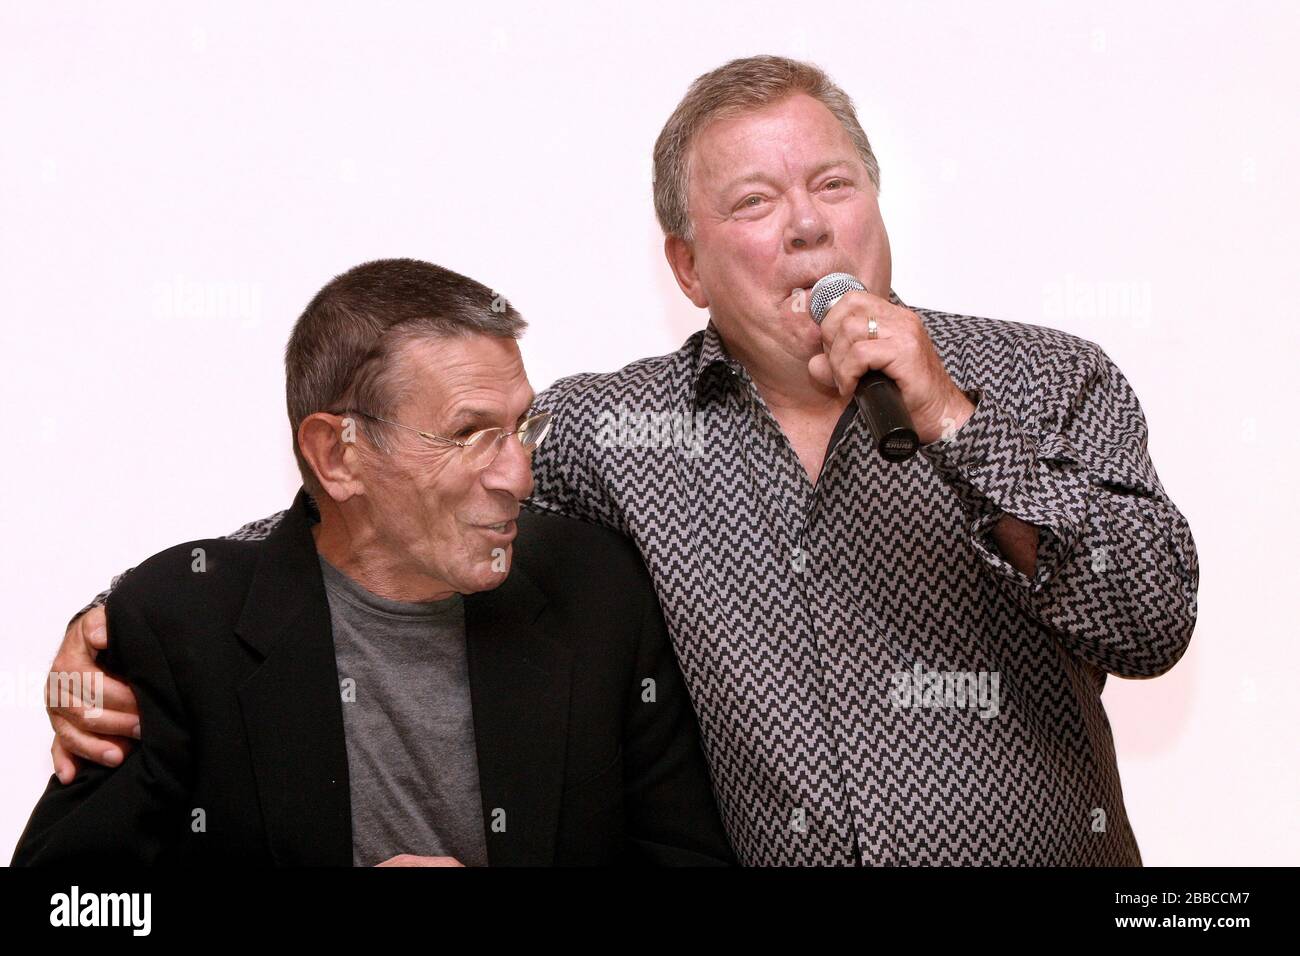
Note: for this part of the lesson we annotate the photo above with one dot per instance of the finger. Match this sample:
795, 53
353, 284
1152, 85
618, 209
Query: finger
74, 653
848, 305
859, 358
857, 328
819, 367
106, 751
65, 766
849, 359
878, 355
839, 347
119, 696
100, 721
855, 360
94, 630
825, 370
109, 693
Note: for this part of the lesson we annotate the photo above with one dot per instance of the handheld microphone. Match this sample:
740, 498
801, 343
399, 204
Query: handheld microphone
879, 400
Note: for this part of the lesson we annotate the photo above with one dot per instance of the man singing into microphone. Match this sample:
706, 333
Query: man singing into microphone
892, 662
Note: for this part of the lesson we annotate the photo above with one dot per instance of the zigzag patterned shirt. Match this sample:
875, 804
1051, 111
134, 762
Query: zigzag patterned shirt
875, 683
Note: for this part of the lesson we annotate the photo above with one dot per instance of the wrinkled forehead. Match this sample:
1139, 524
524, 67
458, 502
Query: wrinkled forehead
789, 136
479, 378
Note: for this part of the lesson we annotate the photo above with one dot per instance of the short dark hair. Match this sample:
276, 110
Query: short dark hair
341, 353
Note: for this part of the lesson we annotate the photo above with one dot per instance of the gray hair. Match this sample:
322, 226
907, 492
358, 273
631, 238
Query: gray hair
739, 87
344, 351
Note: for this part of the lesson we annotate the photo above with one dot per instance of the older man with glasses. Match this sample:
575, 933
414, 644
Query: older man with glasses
407, 670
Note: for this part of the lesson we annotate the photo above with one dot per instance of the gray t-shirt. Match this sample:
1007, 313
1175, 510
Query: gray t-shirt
409, 725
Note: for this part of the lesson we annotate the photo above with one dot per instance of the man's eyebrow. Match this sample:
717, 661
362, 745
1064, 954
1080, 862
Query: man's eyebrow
757, 177
831, 164
747, 178
472, 414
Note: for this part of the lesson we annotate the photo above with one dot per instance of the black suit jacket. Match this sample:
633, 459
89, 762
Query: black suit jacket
243, 759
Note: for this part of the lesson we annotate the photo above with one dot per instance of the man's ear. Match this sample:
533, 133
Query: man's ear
328, 443
681, 259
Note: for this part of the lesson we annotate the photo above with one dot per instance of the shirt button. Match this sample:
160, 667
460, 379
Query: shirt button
798, 559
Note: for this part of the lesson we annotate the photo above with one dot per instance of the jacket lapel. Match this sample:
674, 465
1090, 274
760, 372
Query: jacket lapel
292, 712
519, 684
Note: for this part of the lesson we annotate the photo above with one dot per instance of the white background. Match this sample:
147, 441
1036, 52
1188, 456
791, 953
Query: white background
176, 181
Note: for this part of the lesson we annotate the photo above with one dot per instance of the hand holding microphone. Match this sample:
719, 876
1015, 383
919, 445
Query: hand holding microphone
916, 402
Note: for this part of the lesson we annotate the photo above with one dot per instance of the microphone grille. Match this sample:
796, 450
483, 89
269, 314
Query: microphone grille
827, 292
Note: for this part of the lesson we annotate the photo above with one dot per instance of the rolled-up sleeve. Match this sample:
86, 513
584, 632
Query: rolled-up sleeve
1117, 571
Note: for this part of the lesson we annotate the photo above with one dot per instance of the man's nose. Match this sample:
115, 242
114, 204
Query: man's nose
808, 227
511, 471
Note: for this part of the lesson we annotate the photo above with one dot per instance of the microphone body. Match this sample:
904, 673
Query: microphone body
879, 401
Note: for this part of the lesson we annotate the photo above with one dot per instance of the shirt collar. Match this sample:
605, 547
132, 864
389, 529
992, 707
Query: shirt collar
713, 351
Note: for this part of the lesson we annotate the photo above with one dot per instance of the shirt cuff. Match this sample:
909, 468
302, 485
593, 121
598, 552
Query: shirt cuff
995, 468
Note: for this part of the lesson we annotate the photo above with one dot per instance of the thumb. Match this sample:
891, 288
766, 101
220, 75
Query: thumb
819, 367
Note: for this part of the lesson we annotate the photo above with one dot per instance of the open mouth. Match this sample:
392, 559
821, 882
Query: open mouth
803, 291
800, 298
810, 279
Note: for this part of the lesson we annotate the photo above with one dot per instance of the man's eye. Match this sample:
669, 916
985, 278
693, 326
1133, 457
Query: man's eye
834, 184
751, 200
